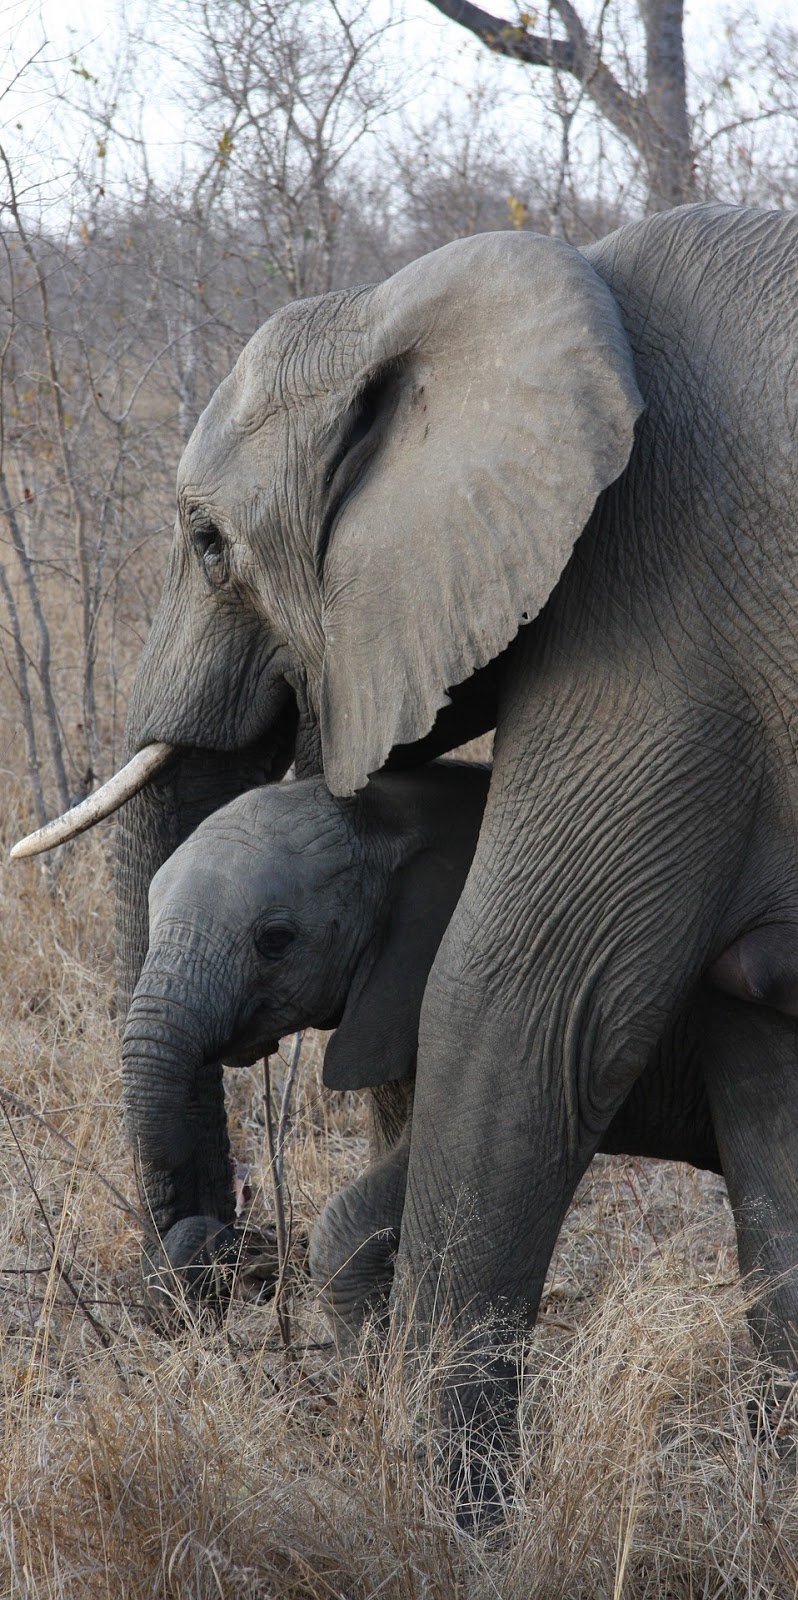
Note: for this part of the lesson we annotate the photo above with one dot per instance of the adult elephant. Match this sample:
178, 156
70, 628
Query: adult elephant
389, 486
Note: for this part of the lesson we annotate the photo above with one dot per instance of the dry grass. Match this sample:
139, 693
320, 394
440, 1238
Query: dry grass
215, 1466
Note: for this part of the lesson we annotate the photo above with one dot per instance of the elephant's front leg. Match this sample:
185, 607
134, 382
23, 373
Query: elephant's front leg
596, 894
489, 1179
751, 1067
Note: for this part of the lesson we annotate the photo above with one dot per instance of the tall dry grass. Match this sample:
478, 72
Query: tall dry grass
216, 1465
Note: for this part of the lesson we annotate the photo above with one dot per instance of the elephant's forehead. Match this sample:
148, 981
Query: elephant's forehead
266, 848
228, 892
213, 451
306, 351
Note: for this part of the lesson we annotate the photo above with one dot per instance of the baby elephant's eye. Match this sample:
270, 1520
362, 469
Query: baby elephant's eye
272, 939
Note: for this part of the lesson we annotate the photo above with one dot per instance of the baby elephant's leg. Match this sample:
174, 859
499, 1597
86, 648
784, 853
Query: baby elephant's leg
354, 1243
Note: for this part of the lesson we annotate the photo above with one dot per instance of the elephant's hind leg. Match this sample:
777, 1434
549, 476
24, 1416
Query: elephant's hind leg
750, 1058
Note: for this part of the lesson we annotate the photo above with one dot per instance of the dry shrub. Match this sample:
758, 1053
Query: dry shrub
216, 1465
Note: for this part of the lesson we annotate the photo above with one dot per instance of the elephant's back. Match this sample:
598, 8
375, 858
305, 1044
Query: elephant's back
709, 299
708, 296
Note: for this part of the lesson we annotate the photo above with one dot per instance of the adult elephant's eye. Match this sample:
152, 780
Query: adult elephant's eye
211, 549
273, 939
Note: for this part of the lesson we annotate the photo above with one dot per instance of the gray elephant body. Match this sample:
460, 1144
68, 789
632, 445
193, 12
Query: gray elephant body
558, 493
669, 652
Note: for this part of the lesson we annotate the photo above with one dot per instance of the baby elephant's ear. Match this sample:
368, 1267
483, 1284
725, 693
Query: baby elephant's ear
500, 400
377, 1038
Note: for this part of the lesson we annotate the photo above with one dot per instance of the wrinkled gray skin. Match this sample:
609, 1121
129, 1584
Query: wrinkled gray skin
379, 502
290, 908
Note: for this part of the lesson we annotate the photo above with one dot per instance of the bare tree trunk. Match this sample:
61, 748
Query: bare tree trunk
186, 361
655, 124
668, 155
44, 653
25, 699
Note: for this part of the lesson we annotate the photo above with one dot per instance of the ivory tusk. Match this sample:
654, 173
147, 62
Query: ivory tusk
105, 800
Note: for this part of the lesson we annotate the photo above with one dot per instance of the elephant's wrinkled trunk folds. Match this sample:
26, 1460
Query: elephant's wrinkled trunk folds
174, 1101
161, 1056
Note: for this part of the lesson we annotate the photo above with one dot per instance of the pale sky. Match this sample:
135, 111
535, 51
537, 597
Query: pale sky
90, 30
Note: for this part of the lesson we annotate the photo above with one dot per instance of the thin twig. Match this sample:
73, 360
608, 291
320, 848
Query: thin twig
284, 1119
276, 1146
638, 1199
283, 1319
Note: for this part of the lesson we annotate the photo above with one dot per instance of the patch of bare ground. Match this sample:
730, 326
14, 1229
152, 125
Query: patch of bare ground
216, 1464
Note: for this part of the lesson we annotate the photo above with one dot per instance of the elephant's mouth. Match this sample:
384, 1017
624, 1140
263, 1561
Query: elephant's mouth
262, 759
256, 1038
256, 1034
247, 1053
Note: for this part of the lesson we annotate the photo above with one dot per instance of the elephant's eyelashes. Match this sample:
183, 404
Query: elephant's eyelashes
273, 939
211, 549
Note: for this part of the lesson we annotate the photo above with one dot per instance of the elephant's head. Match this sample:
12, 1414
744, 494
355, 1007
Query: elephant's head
288, 908
387, 485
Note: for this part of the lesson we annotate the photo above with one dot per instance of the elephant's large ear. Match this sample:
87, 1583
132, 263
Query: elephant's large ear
514, 401
377, 1038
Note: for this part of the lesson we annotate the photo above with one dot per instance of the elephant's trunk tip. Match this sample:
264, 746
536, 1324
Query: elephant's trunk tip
102, 803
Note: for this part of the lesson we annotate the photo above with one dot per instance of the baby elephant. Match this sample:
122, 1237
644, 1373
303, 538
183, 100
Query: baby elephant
289, 908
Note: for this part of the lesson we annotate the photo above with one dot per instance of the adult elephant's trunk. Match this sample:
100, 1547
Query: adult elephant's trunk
173, 1091
147, 832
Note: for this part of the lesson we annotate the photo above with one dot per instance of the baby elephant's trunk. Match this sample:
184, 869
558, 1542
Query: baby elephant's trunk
173, 1094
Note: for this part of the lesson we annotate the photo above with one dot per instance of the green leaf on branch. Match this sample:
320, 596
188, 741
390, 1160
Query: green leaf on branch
82, 72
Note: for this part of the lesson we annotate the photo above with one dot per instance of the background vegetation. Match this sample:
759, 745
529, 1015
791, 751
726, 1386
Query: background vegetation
316, 146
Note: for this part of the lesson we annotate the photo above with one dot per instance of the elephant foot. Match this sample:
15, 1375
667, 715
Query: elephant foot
480, 1485
190, 1269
